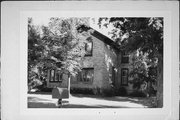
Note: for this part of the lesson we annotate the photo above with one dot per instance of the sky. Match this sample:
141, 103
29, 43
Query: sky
43, 20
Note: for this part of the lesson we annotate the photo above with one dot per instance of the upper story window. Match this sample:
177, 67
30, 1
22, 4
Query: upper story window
55, 76
89, 47
124, 76
125, 57
86, 75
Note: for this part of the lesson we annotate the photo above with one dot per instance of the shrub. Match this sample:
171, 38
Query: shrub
97, 91
46, 89
88, 91
152, 91
108, 92
137, 94
121, 91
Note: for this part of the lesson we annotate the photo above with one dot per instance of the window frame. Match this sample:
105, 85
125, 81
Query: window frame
122, 82
113, 77
80, 78
124, 57
55, 80
89, 40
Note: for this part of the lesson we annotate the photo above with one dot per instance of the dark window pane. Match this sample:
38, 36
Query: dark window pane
125, 57
79, 76
55, 76
61, 77
86, 75
113, 75
89, 47
52, 75
124, 76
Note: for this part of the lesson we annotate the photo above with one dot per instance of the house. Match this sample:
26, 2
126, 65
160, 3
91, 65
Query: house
104, 67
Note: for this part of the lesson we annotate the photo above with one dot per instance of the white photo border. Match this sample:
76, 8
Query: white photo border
22, 11
121, 111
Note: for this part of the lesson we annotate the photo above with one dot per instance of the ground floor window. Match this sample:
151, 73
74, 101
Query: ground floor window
113, 75
124, 76
86, 75
55, 76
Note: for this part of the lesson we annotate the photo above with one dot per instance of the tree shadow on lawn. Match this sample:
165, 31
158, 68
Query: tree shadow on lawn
34, 102
90, 106
40, 93
51, 105
138, 100
41, 105
36, 99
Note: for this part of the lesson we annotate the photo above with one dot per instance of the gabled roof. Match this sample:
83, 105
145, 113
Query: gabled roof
99, 35
105, 39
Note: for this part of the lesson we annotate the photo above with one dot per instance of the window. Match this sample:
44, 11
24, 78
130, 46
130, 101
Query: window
125, 57
86, 75
124, 76
55, 76
52, 75
89, 47
113, 75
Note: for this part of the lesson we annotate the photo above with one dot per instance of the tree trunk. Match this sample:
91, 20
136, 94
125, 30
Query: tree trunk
69, 82
160, 82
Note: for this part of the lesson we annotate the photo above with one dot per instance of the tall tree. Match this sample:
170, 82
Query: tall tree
143, 72
143, 34
58, 45
34, 49
64, 46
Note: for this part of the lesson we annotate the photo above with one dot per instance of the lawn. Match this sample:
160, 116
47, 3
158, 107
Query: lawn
44, 100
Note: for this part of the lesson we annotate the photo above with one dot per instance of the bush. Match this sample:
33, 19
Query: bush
87, 91
137, 94
121, 91
152, 92
45, 89
97, 91
108, 92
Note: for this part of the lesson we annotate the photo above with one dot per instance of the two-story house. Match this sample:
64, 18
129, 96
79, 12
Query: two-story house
104, 67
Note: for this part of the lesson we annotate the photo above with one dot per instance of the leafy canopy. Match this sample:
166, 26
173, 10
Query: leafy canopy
56, 46
143, 38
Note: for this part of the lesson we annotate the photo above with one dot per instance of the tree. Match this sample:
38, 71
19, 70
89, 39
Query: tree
34, 53
56, 46
144, 72
143, 34
64, 47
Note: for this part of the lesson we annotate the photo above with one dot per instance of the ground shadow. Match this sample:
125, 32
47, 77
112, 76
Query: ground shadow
138, 100
35, 104
41, 105
90, 106
35, 99
40, 93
